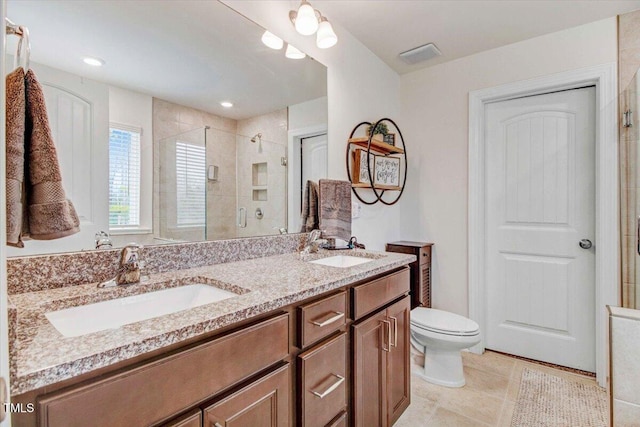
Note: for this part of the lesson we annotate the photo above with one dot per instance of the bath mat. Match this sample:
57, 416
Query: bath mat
548, 400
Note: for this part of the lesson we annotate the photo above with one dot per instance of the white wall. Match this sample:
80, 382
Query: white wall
359, 87
308, 114
435, 114
136, 109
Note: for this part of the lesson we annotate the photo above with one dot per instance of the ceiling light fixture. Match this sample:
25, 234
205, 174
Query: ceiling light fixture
305, 19
326, 37
272, 41
226, 104
294, 53
95, 62
308, 21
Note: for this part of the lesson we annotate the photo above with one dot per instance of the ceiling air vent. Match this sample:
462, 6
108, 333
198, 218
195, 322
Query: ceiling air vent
420, 53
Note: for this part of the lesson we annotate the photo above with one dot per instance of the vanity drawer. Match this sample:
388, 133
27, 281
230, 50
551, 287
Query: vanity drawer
322, 378
265, 402
375, 294
156, 391
321, 318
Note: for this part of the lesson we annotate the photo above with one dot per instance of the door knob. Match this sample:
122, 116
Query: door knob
585, 244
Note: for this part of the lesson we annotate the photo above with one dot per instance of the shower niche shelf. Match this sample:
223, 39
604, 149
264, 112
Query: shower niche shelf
364, 153
260, 195
259, 174
259, 179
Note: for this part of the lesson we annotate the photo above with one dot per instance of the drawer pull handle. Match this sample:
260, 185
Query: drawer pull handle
217, 425
395, 331
330, 389
339, 315
388, 349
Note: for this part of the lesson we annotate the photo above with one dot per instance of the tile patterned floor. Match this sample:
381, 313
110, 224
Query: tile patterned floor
488, 398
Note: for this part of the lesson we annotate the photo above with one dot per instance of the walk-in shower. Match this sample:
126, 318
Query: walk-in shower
214, 184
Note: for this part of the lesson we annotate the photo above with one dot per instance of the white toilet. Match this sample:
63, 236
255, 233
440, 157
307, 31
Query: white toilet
441, 336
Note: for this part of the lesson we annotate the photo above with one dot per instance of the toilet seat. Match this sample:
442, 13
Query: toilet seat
443, 322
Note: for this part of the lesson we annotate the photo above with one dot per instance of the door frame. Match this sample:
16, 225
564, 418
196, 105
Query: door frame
294, 169
607, 208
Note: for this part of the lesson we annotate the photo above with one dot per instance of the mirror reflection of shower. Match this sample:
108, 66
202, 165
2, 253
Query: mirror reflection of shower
216, 184
182, 195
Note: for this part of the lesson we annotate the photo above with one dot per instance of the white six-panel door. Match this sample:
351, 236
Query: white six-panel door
540, 204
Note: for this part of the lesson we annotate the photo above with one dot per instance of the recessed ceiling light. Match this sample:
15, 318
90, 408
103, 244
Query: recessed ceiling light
226, 104
95, 62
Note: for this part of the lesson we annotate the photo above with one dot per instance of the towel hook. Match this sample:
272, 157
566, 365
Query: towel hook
24, 38
22, 32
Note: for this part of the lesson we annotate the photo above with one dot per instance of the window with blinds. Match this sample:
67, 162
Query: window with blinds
124, 177
190, 185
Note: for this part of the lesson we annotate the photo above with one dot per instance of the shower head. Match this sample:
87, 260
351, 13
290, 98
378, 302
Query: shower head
257, 137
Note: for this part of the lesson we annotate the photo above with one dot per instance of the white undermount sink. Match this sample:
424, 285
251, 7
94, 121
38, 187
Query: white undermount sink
85, 319
341, 261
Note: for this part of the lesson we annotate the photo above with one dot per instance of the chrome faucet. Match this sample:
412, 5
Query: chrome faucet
129, 267
313, 242
103, 240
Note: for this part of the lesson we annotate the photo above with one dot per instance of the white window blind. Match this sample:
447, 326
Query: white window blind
190, 185
124, 176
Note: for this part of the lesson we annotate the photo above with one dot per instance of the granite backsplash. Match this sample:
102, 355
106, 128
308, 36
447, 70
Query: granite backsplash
35, 273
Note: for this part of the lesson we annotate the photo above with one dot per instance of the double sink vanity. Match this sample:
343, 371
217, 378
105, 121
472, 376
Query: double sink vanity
280, 340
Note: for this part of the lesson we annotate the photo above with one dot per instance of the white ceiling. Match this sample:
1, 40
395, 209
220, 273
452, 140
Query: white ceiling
194, 53
459, 27
198, 53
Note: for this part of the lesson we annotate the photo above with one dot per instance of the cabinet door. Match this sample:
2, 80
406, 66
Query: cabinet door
263, 403
370, 348
398, 367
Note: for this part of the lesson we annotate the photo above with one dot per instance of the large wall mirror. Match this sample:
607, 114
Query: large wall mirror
150, 152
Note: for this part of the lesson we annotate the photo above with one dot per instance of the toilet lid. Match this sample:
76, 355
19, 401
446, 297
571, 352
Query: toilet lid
443, 322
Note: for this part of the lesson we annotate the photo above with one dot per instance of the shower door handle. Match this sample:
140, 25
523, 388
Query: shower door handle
242, 217
638, 235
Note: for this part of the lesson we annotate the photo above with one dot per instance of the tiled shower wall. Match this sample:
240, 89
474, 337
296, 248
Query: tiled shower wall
170, 119
273, 179
628, 64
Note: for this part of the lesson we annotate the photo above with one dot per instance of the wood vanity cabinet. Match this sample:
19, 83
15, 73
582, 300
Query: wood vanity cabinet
340, 359
158, 390
323, 368
381, 369
420, 270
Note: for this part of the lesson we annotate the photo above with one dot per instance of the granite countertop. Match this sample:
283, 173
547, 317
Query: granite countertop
41, 356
